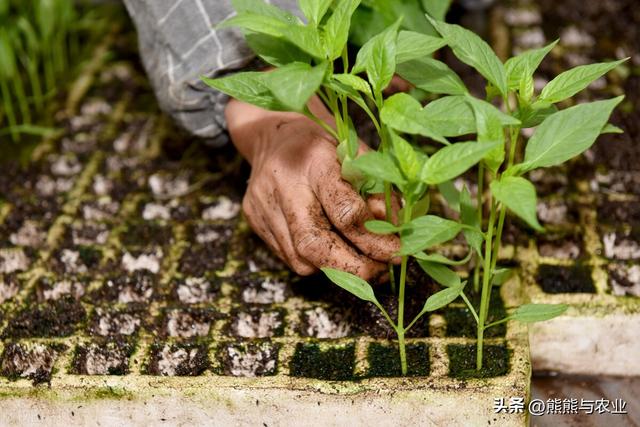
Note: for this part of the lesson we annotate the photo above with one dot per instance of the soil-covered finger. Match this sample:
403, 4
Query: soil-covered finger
348, 212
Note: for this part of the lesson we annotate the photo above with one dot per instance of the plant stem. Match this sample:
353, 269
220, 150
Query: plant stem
403, 279
486, 285
479, 196
8, 109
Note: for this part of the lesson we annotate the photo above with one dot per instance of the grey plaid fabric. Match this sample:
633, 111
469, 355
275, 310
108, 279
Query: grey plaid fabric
178, 45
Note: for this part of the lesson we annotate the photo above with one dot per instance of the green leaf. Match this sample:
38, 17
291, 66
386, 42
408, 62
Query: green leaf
451, 116
381, 227
432, 76
441, 274
425, 232
490, 128
260, 7
533, 115
609, 128
567, 84
314, 10
519, 195
525, 64
450, 194
469, 217
352, 283
294, 84
306, 38
336, 28
249, 87
530, 313
501, 275
405, 156
567, 133
412, 45
275, 50
472, 50
436, 8
439, 259
354, 82
257, 23
404, 113
378, 58
376, 164
443, 298
453, 160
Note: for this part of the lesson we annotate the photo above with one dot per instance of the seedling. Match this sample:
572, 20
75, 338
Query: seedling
38, 39
304, 57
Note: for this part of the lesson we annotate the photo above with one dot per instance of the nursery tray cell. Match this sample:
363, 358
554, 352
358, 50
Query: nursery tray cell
103, 357
112, 322
257, 323
462, 359
556, 279
177, 359
333, 362
251, 359
56, 318
32, 361
384, 362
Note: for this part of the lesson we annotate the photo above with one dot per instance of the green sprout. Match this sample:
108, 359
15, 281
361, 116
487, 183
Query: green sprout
306, 56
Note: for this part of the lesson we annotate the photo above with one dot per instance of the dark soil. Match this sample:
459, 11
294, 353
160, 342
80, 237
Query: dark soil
554, 279
460, 322
370, 321
254, 359
136, 287
384, 360
335, 363
199, 260
550, 181
257, 256
615, 213
102, 357
58, 318
84, 233
177, 359
145, 234
462, 361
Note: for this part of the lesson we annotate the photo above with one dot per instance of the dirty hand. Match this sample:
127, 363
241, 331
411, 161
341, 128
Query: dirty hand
296, 200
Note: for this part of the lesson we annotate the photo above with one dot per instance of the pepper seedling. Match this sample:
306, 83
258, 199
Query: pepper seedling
305, 55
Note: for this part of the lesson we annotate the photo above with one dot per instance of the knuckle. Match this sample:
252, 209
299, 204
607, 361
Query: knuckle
306, 242
349, 212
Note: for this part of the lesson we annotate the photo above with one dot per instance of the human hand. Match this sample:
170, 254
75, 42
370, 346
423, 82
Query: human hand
297, 201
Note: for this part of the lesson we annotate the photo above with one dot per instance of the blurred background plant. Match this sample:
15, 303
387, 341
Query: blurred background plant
373, 16
42, 43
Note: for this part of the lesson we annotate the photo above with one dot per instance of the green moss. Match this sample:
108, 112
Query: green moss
334, 363
462, 361
384, 360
